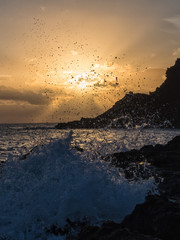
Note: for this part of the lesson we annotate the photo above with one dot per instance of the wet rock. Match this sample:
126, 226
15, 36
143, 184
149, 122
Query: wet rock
166, 159
79, 149
157, 217
170, 186
111, 231
69, 231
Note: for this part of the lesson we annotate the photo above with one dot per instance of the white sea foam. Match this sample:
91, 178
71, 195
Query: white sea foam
53, 184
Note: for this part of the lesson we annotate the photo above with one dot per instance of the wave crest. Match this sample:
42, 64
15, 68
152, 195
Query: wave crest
54, 183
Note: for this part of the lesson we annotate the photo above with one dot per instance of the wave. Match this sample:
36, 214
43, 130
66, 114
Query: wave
54, 183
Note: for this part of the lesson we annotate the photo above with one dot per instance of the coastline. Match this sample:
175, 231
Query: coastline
156, 218
159, 216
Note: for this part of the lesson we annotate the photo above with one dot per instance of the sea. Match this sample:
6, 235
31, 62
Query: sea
48, 176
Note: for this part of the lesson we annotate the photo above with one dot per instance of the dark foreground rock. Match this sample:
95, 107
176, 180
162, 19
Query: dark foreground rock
159, 216
112, 231
156, 217
158, 160
158, 109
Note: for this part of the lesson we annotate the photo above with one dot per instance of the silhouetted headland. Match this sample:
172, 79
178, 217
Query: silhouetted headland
160, 108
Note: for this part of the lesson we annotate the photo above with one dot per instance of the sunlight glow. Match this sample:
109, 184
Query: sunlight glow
85, 80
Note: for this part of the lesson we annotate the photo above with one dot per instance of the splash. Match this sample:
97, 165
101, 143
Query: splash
53, 184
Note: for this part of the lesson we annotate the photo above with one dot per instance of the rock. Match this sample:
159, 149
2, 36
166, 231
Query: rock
79, 149
170, 186
166, 157
157, 217
111, 231
169, 90
141, 163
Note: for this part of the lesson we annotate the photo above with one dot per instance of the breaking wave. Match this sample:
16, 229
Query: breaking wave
54, 183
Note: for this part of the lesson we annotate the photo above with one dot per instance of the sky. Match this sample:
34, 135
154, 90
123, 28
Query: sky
61, 60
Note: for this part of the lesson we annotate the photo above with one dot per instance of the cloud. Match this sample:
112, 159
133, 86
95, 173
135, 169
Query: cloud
43, 8
5, 76
176, 52
20, 113
153, 55
172, 23
31, 97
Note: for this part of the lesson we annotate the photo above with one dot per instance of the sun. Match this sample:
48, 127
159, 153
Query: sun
85, 80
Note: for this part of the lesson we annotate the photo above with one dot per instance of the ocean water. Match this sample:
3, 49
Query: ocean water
56, 181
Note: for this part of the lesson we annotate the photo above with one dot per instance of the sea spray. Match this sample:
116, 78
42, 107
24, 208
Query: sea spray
53, 184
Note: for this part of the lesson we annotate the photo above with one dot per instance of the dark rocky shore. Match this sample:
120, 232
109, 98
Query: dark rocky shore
158, 109
159, 216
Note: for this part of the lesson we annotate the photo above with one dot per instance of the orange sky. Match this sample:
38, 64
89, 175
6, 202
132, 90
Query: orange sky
63, 60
